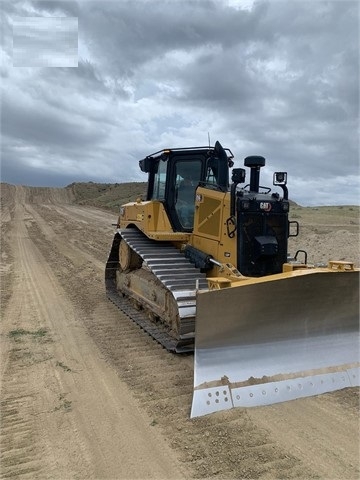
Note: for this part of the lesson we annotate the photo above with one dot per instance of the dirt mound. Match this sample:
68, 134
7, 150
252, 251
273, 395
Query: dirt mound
108, 196
327, 242
36, 195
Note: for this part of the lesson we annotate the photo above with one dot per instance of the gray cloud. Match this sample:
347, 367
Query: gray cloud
45, 41
44, 126
67, 7
19, 172
278, 79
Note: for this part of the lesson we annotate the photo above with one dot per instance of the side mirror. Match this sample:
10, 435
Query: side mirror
145, 164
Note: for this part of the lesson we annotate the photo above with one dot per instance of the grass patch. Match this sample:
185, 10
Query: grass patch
20, 332
63, 366
64, 403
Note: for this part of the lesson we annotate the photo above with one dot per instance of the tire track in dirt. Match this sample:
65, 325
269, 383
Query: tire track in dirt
22, 352
7, 206
162, 382
70, 414
326, 426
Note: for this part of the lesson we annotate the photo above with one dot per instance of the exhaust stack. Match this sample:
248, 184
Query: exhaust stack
255, 163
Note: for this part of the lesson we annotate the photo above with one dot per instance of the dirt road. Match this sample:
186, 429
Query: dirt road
85, 394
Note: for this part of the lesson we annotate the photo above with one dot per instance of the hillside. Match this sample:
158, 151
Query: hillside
106, 195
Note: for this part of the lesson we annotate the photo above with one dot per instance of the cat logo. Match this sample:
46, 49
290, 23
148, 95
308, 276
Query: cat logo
265, 206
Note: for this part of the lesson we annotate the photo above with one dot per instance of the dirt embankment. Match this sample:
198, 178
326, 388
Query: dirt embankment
36, 195
86, 394
327, 233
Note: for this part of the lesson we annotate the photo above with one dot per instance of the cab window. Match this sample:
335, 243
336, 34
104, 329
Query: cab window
159, 181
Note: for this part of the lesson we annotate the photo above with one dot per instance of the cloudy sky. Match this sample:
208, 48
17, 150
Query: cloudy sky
90, 87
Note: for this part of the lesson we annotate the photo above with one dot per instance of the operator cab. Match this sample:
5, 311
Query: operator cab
174, 175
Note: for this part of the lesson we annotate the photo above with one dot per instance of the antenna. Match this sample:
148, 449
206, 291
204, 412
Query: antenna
209, 138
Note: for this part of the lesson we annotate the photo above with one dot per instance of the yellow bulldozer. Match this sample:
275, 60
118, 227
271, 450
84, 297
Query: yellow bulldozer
202, 264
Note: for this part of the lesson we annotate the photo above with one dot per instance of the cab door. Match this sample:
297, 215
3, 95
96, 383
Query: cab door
187, 173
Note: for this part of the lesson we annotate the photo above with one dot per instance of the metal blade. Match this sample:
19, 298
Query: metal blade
273, 341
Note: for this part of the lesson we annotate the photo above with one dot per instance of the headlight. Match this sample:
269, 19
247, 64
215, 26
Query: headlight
280, 178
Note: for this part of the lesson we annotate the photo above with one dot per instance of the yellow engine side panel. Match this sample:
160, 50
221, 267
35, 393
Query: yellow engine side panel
150, 217
210, 235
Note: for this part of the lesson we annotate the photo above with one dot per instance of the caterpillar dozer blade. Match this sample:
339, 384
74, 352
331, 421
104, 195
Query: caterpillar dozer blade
275, 339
